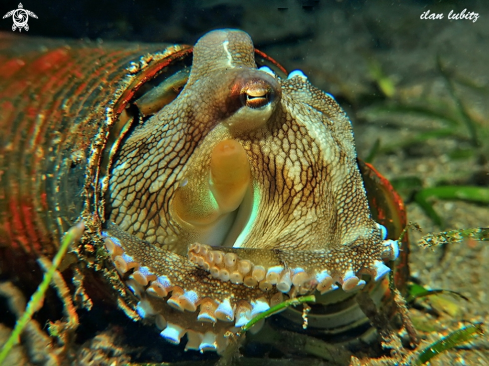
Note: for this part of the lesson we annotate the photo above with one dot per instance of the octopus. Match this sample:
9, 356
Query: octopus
243, 191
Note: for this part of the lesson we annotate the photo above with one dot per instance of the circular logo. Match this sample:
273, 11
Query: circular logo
20, 17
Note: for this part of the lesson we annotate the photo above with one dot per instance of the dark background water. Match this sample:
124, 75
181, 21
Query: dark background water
330, 39
185, 21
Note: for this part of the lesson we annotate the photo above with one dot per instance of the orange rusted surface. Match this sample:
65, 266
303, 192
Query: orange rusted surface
54, 96
388, 209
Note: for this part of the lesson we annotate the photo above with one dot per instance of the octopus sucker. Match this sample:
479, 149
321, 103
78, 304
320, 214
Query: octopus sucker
286, 268
206, 299
254, 195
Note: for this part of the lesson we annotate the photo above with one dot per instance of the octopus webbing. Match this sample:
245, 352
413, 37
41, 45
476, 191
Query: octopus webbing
242, 191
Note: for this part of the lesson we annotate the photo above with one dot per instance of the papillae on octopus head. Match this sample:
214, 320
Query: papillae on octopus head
243, 188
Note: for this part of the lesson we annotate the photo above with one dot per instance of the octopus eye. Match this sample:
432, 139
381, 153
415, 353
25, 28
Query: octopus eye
252, 100
255, 97
256, 93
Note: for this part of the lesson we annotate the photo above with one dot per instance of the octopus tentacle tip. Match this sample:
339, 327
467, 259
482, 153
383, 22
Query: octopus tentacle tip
173, 333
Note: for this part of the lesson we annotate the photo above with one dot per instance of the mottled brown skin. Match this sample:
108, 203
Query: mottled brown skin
303, 158
307, 190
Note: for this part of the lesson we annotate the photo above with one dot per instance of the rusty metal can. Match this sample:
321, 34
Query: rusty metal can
58, 101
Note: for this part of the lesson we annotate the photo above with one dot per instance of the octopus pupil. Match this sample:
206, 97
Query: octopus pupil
257, 101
